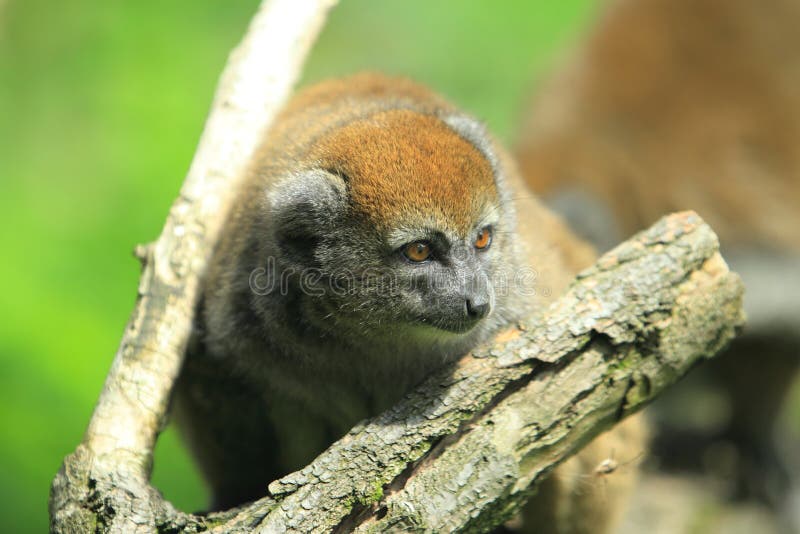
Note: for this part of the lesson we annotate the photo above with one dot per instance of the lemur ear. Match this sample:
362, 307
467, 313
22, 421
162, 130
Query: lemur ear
475, 132
303, 207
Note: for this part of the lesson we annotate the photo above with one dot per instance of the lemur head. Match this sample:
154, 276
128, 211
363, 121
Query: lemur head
400, 225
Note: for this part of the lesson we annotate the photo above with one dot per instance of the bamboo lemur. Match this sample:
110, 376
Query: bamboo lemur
692, 104
367, 248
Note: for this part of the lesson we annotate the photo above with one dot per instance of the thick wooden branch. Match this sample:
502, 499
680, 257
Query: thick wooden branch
468, 446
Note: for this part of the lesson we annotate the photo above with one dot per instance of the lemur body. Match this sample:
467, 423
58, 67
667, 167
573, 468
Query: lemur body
374, 241
692, 104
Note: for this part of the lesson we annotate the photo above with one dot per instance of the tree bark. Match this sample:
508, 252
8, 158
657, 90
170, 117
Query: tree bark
466, 448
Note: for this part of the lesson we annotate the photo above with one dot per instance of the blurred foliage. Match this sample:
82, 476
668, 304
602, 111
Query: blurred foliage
101, 105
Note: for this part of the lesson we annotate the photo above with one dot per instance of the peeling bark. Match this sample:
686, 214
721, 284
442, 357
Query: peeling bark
466, 448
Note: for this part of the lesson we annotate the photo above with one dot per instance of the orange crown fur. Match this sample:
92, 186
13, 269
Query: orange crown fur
406, 166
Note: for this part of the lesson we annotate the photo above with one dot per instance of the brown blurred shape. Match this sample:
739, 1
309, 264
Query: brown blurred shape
692, 104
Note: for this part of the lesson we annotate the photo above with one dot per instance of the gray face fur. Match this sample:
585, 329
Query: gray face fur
352, 279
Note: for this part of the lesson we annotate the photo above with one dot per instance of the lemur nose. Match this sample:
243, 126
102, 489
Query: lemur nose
477, 310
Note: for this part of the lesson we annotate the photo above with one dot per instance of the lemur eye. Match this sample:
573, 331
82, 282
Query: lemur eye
484, 238
417, 251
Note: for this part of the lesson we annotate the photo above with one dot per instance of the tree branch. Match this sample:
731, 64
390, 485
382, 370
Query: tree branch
466, 448
112, 465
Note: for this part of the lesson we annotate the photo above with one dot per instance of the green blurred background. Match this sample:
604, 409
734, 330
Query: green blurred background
101, 105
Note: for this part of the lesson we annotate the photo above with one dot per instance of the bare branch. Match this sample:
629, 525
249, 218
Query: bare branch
116, 453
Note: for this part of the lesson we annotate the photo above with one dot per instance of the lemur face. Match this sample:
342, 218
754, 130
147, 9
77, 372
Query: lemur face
410, 235
447, 278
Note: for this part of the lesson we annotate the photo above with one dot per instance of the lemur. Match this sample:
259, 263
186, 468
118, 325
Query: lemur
669, 105
365, 251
